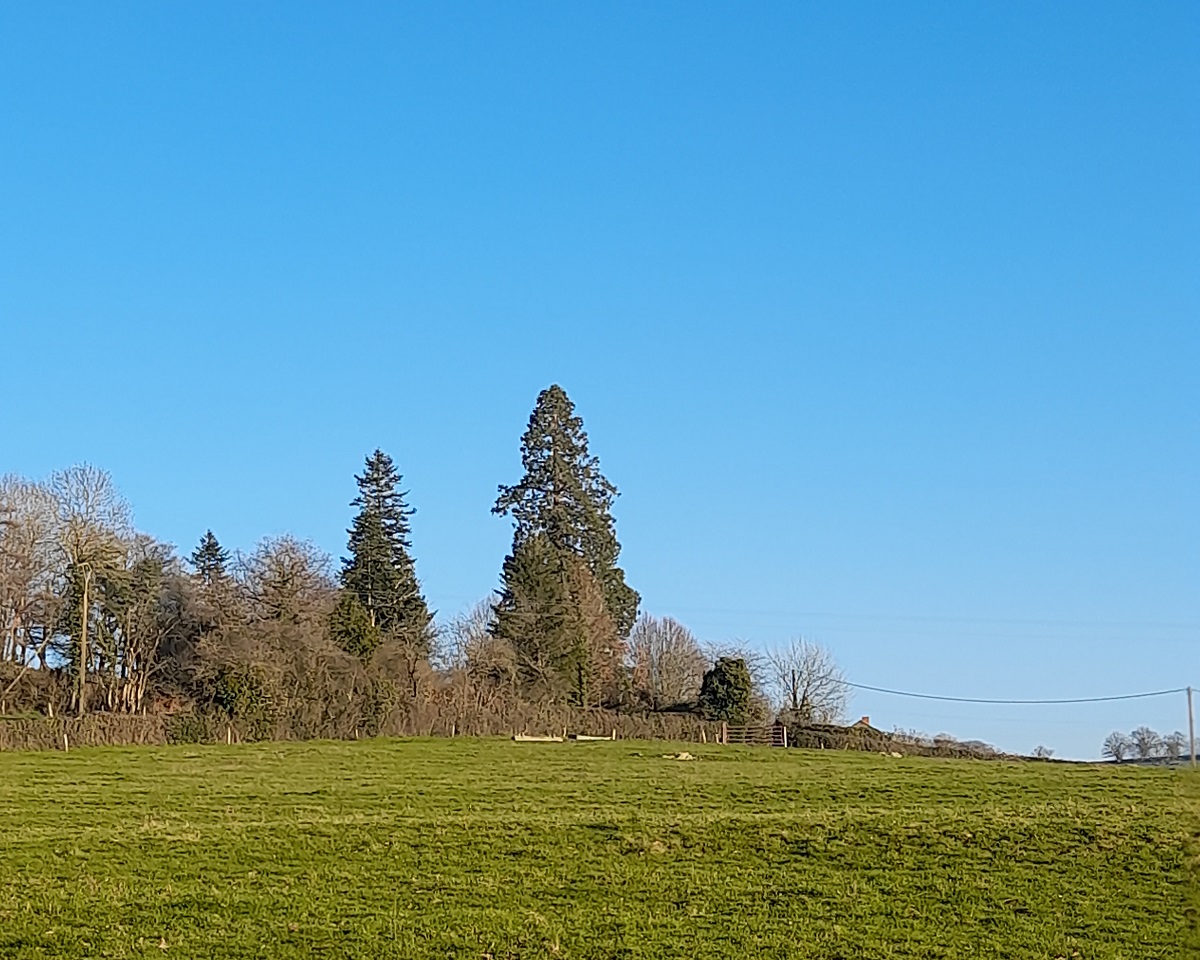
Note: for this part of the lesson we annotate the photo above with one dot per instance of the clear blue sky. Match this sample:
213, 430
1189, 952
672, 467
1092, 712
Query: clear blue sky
885, 318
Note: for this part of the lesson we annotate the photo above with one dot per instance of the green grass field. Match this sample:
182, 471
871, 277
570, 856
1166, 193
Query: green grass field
491, 849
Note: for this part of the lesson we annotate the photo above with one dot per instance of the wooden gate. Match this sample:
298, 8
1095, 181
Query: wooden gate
760, 735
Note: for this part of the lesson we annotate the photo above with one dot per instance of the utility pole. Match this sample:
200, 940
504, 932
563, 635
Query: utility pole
1191, 729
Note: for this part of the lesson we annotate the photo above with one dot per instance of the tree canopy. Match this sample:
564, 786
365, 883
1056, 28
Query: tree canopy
564, 498
726, 690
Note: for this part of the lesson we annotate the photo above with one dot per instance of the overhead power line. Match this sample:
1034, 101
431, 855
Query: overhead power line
932, 696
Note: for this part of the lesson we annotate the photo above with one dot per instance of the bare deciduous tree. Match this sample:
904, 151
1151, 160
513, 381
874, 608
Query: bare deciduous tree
601, 666
30, 572
1116, 746
1146, 742
1174, 744
277, 662
137, 614
667, 662
1042, 752
288, 579
463, 637
805, 682
486, 663
93, 522
480, 667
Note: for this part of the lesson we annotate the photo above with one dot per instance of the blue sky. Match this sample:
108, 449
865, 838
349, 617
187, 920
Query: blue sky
884, 318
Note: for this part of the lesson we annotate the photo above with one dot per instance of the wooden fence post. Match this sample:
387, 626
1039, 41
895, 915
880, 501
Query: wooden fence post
724, 732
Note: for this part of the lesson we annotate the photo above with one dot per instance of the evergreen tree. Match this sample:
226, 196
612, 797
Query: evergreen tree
209, 559
533, 615
350, 627
552, 613
726, 690
564, 498
380, 569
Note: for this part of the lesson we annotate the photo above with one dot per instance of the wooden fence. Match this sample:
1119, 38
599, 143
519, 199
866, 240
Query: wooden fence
760, 734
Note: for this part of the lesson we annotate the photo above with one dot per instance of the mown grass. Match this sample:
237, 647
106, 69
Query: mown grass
491, 849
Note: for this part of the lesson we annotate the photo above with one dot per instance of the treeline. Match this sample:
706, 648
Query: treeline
1145, 743
96, 616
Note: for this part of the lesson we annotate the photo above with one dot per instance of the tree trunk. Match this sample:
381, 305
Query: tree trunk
81, 680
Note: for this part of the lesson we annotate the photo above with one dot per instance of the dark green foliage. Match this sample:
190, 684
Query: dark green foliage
79, 580
127, 593
241, 692
209, 559
551, 611
187, 728
535, 615
350, 627
564, 498
215, 592
380, 568
725, 693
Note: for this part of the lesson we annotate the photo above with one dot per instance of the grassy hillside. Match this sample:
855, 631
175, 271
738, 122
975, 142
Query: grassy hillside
490, 849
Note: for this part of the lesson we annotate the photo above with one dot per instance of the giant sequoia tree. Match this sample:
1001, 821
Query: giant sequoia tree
379, 570
564, 605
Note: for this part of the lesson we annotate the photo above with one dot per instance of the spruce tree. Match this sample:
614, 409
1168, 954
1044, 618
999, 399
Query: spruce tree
209, 559
564, 498
216, 598
380, 569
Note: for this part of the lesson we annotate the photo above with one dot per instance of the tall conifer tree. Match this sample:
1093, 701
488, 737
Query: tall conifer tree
209, 559
564, 496
217, 596
380, 569
564, 599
